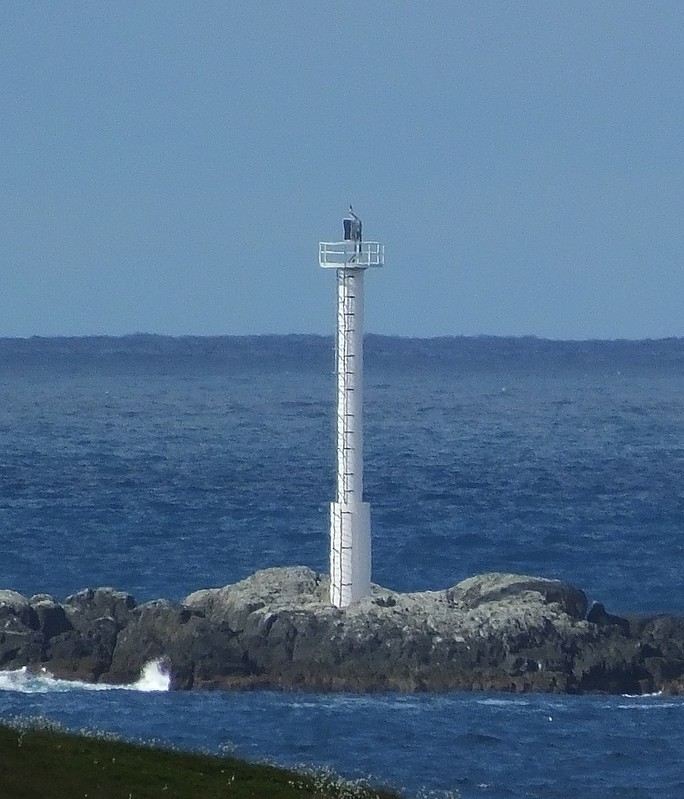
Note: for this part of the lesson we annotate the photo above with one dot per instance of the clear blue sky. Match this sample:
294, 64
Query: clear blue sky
170, 167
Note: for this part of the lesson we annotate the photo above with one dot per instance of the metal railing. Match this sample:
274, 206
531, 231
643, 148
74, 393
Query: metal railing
352, 254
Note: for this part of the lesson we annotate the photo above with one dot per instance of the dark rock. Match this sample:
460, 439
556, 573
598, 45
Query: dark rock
20, 648
666, 634
82, 655
94, 603
79, 636
276, 629
20, 642
598, 615
196, 650
15, 611
51, 617
292, 637
613, 664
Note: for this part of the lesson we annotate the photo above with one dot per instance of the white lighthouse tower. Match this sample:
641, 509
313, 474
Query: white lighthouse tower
350, 531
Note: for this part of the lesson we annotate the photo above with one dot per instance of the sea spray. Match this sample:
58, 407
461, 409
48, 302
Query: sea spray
153, 678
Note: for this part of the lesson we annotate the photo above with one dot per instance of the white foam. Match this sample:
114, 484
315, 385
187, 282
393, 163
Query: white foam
494, 701
153, 678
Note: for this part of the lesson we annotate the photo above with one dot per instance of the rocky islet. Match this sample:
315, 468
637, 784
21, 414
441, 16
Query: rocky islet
277, 629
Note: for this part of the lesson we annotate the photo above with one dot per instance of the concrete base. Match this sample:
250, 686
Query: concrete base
350, 553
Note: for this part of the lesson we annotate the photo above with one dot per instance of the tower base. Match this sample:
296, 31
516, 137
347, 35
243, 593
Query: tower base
350, 552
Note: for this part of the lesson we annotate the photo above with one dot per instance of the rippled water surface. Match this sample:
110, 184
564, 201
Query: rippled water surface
163, 466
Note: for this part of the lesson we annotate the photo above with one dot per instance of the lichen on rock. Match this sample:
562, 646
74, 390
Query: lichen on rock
277, 629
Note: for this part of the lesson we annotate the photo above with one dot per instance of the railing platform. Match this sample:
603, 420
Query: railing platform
350, 254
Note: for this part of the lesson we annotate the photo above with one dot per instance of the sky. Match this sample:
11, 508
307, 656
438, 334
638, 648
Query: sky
170, 167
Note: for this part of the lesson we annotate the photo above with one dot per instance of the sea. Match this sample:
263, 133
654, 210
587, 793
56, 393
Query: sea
163, 465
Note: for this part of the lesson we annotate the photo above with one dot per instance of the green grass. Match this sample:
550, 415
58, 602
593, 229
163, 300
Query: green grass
48, 763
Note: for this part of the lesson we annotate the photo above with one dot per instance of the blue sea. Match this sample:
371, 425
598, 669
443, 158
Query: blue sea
164, 465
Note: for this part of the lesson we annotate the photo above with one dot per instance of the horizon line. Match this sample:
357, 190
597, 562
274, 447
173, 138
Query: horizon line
399, 336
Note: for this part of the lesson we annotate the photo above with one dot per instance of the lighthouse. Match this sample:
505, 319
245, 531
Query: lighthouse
350, 525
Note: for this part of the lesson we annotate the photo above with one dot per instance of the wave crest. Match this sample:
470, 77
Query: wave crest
153, 678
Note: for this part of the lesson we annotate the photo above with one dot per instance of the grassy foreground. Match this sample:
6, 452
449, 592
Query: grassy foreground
39, 763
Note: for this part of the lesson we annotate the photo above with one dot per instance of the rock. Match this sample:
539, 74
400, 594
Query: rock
277, 629
666, 633
51, 617
20, 648
20, 642
497, 631
612, 664
94, 603
177, 634
15, 611
83, 655
40, 598
13, 600
295, 587
79, 636
662, 642
292, 637
599, 616
495, 587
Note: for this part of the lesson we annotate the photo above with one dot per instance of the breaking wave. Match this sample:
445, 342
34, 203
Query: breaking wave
153, 677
